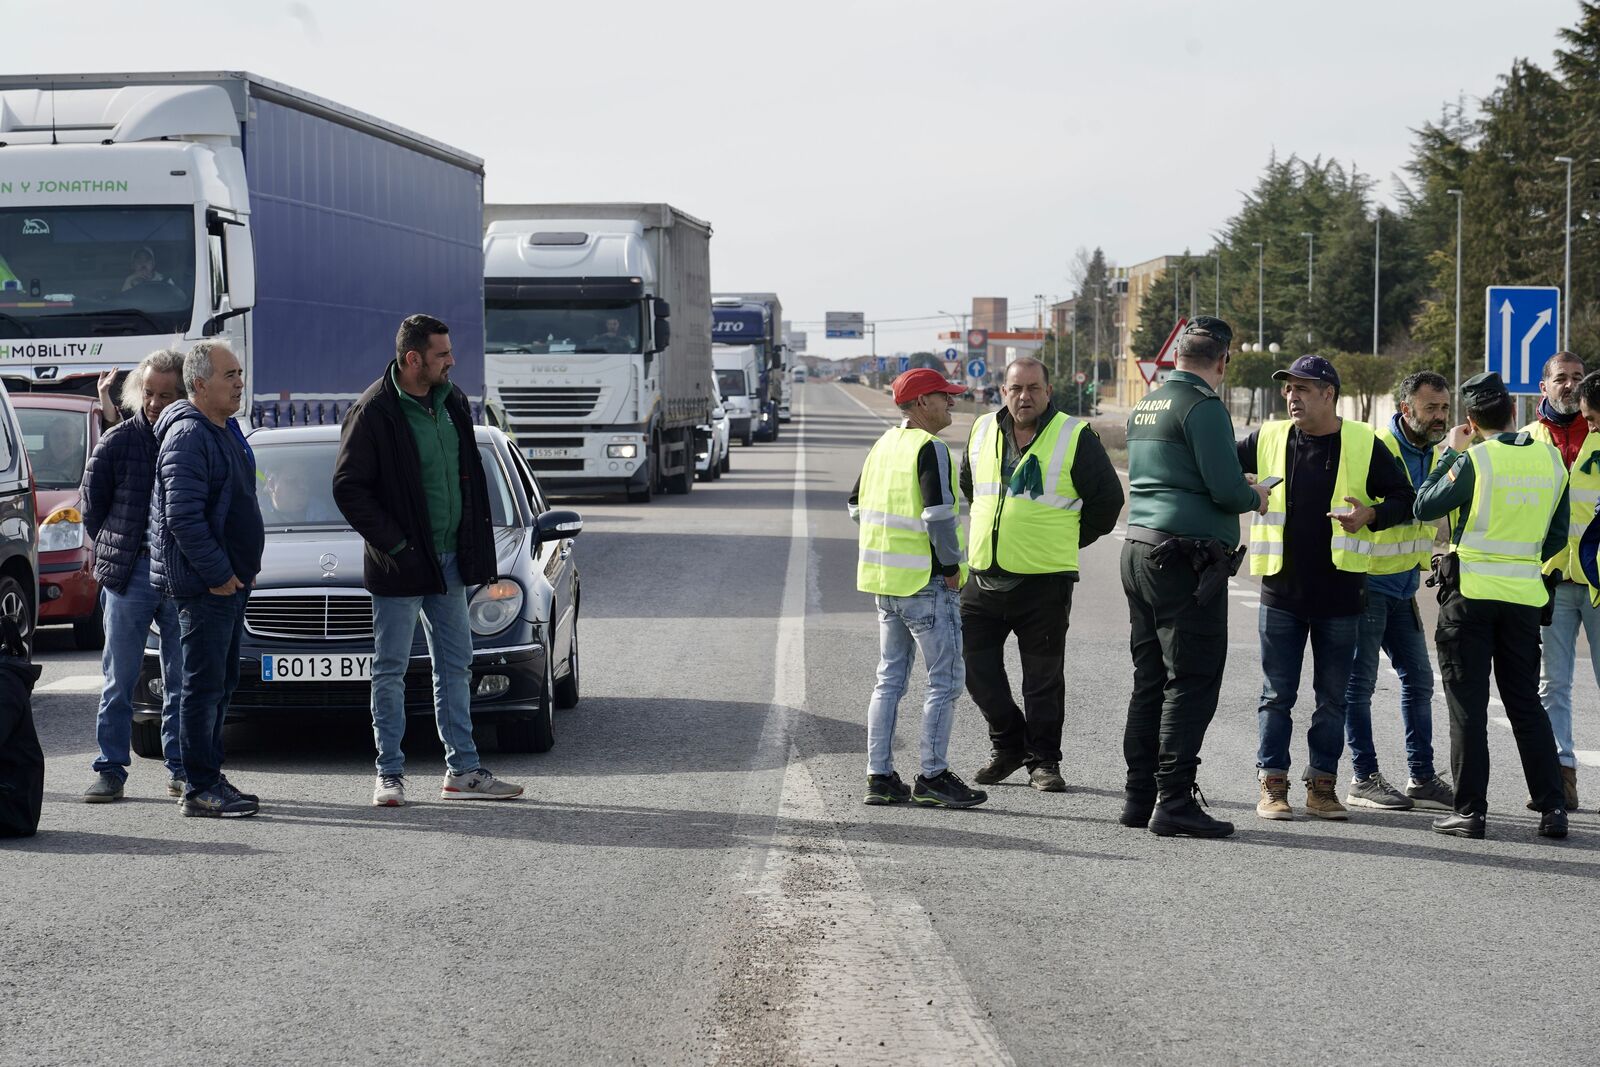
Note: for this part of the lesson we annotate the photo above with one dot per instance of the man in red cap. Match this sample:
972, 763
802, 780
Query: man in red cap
913, 560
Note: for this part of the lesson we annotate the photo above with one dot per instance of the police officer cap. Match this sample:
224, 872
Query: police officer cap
1483, 387
1206, 326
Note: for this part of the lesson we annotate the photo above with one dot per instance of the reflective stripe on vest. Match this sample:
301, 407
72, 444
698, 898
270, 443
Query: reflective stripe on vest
1351, 551
1514, 497
1583, 494
895, 558
1409, 545
1031, 531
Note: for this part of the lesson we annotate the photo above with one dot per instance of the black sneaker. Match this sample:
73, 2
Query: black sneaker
886, 789
233, 790
1553, 823
946, 791
217, 803
1184, 815
1000, 767
1046, 778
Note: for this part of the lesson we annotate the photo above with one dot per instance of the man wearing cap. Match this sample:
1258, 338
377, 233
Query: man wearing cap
913, 559
1561, 424
1185, 495
1392, 622
1312, 548
1041, 488
1509, 493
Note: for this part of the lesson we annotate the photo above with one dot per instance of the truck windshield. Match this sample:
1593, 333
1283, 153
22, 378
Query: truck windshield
96, 271
57, 444
591, 326
731, 383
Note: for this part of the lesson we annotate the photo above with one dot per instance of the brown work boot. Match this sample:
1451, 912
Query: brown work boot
1322, 800
1569, 783
1274, 802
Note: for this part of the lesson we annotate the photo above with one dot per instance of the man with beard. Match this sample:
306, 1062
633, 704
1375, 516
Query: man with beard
1392, 622
1559, 424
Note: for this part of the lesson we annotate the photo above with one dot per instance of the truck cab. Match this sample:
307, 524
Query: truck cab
738, 370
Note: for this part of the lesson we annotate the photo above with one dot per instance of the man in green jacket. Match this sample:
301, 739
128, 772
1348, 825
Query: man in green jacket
1186, 493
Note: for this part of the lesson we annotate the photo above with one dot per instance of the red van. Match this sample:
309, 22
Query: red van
59, 431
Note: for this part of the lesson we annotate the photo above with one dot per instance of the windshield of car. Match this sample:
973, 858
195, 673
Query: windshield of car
57, 444
294, 485
592, 326
730, 383
96, 271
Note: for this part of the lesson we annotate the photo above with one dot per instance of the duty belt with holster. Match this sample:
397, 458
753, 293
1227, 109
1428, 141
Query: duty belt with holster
1447, 577
1212, 560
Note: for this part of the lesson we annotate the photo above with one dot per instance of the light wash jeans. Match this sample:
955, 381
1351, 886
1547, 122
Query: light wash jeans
449, 636
127, 617
1394, 626
929, 620
1560, 641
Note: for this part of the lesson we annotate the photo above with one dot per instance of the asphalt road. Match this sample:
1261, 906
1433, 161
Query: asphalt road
692, 878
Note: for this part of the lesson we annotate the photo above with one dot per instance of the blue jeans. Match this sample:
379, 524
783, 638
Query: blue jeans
929, 620
211, 628
1560, 641
127, 617
1394, 626
449, 636
1283, 649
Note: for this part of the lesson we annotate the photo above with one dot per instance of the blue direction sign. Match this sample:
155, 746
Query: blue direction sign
905, 364
1521, 331
883, 364
951, 353
977, 368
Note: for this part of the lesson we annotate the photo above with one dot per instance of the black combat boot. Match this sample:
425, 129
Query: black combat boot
1182, 815
1136, 809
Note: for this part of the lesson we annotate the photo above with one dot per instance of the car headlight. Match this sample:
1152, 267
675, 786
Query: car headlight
494, 607
622, 451
62, 529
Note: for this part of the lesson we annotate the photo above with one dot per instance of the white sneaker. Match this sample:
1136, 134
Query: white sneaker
477, 785
390, 792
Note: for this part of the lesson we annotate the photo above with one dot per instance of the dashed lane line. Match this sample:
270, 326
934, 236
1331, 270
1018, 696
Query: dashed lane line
73, 683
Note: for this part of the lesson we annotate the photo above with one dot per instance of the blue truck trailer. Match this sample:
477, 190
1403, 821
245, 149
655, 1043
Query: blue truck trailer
142, 210
755, 319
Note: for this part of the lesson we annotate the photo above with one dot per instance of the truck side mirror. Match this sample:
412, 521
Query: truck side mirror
239, 254
663, 309
663, 334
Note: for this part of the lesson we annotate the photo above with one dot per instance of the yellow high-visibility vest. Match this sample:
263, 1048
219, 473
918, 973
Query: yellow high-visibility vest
1400, 548
1351, 551
1583, 494
1516, 489
1033, 530
895, 558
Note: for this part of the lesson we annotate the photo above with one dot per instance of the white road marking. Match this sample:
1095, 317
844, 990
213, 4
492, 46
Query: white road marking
837, 939
1588, 757
73, 683
857, 401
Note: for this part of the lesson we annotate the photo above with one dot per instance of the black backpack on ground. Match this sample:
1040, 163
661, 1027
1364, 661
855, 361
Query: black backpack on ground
21, 758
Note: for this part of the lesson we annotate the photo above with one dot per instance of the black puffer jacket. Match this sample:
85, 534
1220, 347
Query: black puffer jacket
377, 483
116, 498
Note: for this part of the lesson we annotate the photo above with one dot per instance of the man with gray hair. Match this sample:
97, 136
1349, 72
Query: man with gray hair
206, 541
117, 484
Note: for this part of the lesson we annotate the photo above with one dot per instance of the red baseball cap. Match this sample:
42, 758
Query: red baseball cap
920, 382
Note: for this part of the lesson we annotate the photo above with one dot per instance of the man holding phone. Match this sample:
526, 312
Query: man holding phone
1185, 495
1312, 548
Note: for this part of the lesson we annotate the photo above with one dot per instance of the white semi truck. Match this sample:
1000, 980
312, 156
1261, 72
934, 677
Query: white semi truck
598, 341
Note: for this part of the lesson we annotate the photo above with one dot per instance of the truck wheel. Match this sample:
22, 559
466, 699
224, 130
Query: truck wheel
727, 461
749, 437
537, 734
147, 738
90, 633
683, 481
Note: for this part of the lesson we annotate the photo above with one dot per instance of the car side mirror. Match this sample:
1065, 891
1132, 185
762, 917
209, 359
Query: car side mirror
556, 525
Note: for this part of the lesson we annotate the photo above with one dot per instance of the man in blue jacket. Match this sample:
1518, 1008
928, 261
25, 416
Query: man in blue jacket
116, 513
206, 541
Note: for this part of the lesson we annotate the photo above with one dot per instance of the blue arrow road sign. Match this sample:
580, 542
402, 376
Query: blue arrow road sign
905, 364
977, 368
883, 364
1521, 329
951, 353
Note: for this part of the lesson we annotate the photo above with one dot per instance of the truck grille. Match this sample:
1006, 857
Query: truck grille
314, 617
553, 402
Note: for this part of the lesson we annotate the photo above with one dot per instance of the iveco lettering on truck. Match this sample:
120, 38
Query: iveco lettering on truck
140, 210
598, 356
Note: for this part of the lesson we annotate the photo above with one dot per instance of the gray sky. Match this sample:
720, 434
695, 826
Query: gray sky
895, 157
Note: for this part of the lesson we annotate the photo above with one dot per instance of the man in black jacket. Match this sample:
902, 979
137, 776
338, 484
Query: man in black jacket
411, 483
116, 515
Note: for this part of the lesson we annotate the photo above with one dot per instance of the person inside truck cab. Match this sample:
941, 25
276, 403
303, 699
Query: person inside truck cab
612, 340
144, 269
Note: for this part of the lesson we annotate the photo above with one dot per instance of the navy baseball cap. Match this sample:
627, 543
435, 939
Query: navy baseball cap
1313, 368
1206, 326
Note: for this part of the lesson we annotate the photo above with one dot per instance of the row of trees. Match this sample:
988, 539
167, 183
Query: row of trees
1513, 210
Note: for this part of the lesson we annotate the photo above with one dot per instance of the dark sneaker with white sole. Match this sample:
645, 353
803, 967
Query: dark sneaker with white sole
886, 789
1374, 791
1046, 778
176, 787
228, 787
945, 790
105, 788
1431, 794
217, 803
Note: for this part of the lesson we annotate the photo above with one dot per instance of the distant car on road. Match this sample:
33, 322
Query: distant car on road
711, 461
850, 379
19, 550
59, 431
308, 626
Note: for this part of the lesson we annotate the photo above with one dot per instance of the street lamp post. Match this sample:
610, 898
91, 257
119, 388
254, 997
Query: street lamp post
1457, 194
1566, 287
1261, 277
1077, 390
1216, 306
1311, 244
1377, 265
